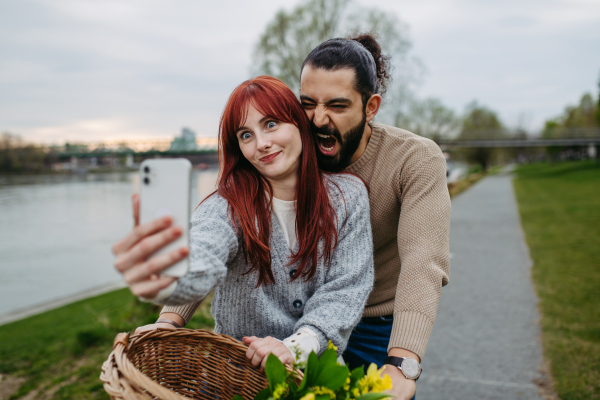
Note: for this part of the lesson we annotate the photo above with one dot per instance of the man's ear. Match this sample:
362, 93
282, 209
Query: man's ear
373, 105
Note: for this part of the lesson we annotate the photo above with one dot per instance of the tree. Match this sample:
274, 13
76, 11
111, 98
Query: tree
428, 118
16, 156
598, 105
290, 37
480, 123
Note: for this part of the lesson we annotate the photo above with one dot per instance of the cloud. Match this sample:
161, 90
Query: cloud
87, 69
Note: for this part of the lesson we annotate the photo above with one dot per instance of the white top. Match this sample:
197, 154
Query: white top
305, 340
285, 212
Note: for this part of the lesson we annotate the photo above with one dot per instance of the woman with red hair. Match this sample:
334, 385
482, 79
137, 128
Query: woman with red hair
287, 247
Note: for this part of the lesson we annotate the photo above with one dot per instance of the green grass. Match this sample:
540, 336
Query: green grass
560, 212
62, 350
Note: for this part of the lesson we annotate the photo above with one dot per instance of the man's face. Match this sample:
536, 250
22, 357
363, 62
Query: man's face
336, 113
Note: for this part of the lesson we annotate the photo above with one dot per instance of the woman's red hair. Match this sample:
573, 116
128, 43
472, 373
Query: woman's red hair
250, 195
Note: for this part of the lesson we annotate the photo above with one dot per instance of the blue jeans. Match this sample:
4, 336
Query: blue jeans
369, 343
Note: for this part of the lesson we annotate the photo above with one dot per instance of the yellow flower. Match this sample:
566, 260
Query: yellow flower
324, 390
373, 381
308, 396
347, 384
331, 346
280, 389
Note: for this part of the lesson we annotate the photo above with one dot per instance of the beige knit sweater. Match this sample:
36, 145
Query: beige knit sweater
410, 219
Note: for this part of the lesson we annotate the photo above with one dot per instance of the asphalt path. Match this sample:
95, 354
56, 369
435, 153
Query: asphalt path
485, 342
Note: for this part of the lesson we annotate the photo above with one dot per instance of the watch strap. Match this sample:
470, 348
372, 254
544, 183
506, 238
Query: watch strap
395, 361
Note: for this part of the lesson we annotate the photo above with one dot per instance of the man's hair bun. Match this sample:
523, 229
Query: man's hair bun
382, 62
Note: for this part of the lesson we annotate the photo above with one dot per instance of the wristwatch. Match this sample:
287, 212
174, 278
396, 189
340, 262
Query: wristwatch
410, 367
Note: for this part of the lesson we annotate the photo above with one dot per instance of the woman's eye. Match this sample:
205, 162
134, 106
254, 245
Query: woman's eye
271, 124
246, 135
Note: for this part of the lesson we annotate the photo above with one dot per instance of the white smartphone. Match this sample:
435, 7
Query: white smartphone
165, 190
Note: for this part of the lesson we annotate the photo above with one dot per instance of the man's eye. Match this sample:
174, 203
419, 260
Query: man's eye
246, 135
308, 106
271, 124
338, 106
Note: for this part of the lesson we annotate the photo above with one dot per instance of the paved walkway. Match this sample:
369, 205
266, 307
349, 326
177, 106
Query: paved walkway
485, 342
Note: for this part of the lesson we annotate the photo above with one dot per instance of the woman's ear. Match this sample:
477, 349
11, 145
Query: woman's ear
372, 108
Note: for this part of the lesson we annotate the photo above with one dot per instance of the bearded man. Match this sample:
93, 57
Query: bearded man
341, 84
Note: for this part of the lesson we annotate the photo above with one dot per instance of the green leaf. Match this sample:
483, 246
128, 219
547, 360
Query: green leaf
311, 370
374, 396
322, 397
293, 387
263, 394
275, 370
332, 377
237, 397
356, 375
328, 358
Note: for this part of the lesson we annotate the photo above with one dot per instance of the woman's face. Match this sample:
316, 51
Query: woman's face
273, 147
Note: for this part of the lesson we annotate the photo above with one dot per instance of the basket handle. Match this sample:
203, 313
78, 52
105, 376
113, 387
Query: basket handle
122, 338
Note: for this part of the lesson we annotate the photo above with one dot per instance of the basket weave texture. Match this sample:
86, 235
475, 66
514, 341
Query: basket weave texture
180, 364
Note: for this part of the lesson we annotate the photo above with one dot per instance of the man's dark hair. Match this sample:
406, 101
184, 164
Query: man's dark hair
361, 54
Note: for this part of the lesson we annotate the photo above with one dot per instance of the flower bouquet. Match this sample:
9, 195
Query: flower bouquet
324, 379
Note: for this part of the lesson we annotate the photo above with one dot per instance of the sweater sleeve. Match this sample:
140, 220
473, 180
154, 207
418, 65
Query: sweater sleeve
423, 246
213, 242
336, 307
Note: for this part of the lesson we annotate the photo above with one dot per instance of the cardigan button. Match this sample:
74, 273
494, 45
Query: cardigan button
297, 303
292, 273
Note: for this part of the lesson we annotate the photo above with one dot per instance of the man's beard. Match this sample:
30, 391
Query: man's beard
347, 146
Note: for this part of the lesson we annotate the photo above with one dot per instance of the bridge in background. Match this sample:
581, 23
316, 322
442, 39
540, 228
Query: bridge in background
206, 149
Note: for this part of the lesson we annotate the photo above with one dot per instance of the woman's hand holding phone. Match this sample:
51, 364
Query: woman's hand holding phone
133, 251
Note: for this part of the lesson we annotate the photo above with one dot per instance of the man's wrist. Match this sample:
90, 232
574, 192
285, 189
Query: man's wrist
168, 321
399, 352
176, 318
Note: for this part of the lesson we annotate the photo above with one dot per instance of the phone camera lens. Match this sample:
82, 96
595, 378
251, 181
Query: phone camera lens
147, 169
147, 180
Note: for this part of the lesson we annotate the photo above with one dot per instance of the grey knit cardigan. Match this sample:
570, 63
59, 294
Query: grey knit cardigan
331, 304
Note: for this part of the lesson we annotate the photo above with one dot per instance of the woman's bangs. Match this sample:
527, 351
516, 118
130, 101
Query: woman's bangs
272, 105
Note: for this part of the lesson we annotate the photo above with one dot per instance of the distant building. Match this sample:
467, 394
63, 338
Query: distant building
185, 142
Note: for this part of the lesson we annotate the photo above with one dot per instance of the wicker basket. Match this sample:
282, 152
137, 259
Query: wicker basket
180, 364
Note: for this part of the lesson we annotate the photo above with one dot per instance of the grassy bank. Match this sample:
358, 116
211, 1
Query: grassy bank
560, 212
58, 354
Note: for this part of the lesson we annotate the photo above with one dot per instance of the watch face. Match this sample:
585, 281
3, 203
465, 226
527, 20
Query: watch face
411, 368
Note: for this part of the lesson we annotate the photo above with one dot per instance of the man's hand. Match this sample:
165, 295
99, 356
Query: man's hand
171, 316
402, 388
260, 348
151, 327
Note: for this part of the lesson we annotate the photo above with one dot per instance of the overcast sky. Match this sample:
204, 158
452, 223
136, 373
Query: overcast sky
105, 70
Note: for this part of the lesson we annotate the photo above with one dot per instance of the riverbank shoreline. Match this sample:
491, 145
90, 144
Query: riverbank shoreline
57, 303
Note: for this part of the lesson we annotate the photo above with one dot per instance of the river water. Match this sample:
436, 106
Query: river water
56, 232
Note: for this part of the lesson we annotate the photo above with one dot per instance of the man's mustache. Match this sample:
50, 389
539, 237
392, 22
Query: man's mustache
326, 130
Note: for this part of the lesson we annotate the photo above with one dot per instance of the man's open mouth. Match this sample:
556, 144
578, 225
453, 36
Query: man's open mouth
326, 144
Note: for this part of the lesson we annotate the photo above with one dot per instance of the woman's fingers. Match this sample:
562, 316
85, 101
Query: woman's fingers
145, 248
140, 232
148, 289
280, 351
135, 200
255, 352
154, 265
